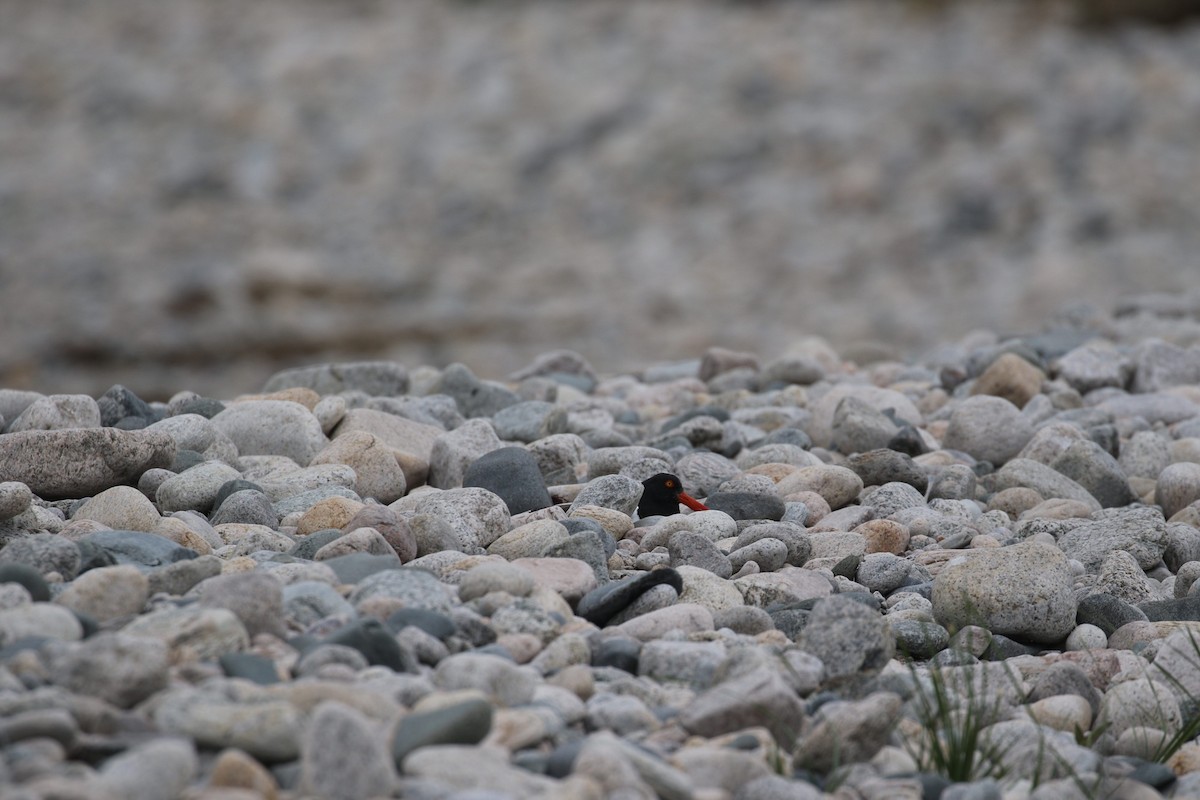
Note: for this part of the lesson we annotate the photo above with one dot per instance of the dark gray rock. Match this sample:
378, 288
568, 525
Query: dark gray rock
307, 546
1176, 609
436, 624
143, 550
28, 577
119, 403
859, 427
745, 505
880, 466
603, 603
511, 473
618, 653
371, 637
467, 723
1107, 612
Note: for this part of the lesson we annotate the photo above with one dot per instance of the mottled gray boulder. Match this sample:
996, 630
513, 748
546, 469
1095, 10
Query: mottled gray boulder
475, 397
80, 462
610, 491
454, 452
988, 428
1139, 530
1024, 591
1089, 465
1045, 480
272, 428
847, 636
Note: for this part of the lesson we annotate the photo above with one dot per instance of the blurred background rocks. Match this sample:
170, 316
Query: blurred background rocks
195, 193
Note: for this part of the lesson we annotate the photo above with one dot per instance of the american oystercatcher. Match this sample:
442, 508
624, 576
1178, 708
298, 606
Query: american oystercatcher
662, 495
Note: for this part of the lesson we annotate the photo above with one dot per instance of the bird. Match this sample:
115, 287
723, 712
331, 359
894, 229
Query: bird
661, 496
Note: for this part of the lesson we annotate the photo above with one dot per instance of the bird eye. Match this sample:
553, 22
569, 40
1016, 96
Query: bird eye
670, 484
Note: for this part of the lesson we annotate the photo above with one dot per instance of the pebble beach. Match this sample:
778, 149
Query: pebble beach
375, 579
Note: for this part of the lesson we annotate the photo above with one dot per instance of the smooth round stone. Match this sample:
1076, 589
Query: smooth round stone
600, 605
500, 679
589, 547
495, 577
837, 486
512, 473
1011, 377
386, 378
378, 474
769, 553
56, 412
309, 546
80, 462
1138, 530
1096, 470
463, 723
883, 572
255, 598
1178, 486
919, 640
249, 666
306, 602
15, 498
176, 579
616, 523
272, 427
618, 652
120, 508
615, 492
746, 620
880, 466
558, 456
653, 624
477, 516
247, 506
531, 540
107, 593
746, 506
435, 624
695, 550
44, 552
416, 588
529, 421
268, 729
194, 489
371, 637
1087, 637
996, 588
39, 619
654, 599
988, 428
28, 577
703, 472
453, 452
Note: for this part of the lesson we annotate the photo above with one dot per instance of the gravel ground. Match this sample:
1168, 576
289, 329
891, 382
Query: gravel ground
370, 580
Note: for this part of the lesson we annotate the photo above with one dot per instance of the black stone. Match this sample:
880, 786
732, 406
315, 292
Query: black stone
622, 654
605, 602
131, 423
746, 505
467, 723
1107, 612
1177, 609
250, 666
28, 577
848, 566
134, 547
1158, 776
436, 625
248, 507
1003, 648
370, 637
511, 473
908, 441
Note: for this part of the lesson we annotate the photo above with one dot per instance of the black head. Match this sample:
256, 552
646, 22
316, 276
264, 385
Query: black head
662, 494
